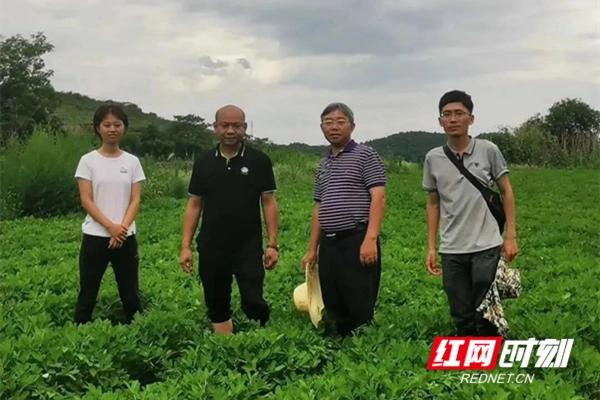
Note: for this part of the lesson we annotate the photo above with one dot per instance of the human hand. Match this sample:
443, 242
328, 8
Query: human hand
271, 257
309, 259
430, 263
114, 243
510, 249
118, 231
185, 260
368, 252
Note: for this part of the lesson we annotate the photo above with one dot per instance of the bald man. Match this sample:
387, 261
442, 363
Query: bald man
229, 186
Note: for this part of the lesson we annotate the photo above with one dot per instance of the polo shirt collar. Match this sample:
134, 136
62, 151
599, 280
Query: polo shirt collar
240, 151
347, 148
469, 149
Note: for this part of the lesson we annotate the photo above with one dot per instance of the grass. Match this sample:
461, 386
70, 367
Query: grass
169, 352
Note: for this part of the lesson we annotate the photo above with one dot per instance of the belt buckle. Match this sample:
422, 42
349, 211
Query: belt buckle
330, 235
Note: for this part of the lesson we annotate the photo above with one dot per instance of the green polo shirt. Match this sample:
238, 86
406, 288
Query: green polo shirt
466, 223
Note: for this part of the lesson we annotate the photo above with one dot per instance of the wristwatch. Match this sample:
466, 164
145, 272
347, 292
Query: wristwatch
273, 247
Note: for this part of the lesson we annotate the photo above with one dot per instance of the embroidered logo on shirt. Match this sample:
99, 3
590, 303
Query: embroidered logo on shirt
244, 171
123, 170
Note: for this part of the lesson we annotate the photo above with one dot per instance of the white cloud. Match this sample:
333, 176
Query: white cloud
390, 61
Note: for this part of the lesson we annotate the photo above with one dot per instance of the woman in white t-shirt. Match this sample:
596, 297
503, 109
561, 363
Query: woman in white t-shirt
109, 182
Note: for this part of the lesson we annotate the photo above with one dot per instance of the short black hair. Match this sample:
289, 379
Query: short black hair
106, 109
456, 96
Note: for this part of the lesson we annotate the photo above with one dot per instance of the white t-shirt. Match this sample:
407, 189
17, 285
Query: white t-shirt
112, 178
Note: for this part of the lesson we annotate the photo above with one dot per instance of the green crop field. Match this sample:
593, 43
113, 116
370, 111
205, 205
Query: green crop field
170, 353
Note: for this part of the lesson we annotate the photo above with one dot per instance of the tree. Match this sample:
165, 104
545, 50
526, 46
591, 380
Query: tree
155, 142
506, 142
27, 96
535, 146
537, 121
575, 124
189, 135
191, 119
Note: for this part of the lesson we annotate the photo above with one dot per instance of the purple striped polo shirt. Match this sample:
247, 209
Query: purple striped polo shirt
342, 184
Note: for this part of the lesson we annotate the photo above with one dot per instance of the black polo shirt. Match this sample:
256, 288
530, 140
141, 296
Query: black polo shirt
230, 192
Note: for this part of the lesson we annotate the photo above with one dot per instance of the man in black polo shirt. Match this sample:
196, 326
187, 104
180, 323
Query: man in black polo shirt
228, 186
349, 200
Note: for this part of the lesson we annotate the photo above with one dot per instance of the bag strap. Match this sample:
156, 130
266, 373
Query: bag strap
461, 167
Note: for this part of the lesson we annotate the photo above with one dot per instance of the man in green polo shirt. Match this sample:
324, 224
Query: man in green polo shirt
471, 243
228, 186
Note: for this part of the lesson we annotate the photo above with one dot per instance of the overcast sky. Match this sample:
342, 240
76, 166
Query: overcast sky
283, 61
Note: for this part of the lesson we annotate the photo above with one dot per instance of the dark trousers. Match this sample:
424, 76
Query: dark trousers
349, 288
466, 279
94, 258
218, 264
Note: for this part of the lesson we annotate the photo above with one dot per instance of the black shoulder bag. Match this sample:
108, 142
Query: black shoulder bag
492, 198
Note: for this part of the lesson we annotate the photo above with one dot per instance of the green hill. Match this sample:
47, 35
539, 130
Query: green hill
411, 146
76, 112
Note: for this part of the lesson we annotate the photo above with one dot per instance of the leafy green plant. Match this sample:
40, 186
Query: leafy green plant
169, 351
166, 179
37, 175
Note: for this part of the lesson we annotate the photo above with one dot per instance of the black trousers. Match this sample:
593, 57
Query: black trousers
349, 288
94, 258
218, 264
466, 279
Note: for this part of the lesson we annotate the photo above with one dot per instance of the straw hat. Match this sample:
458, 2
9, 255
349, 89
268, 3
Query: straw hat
307, 296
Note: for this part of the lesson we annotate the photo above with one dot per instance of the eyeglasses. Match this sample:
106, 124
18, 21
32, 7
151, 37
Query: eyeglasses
458, 114
329, 123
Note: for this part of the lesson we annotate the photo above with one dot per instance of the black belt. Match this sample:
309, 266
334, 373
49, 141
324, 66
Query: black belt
346, 232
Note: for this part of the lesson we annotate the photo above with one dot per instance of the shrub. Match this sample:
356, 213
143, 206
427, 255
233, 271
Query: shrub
395, 165
165, 179
38, 175
594, 158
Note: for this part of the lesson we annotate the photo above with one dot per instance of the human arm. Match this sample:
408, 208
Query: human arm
197, 188
310, 257
432, 216
376, 212
87, 202
135, 198
134, 204
509, 247
508, 200
268, 202
191, 216
269, 206
368, 249
315, 230
499, 170
130, 214
84, 175
374, 178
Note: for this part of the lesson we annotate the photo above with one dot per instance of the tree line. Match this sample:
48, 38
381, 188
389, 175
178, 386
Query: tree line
566, 136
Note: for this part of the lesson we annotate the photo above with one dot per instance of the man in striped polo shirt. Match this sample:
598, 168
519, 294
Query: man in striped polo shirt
349, 200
